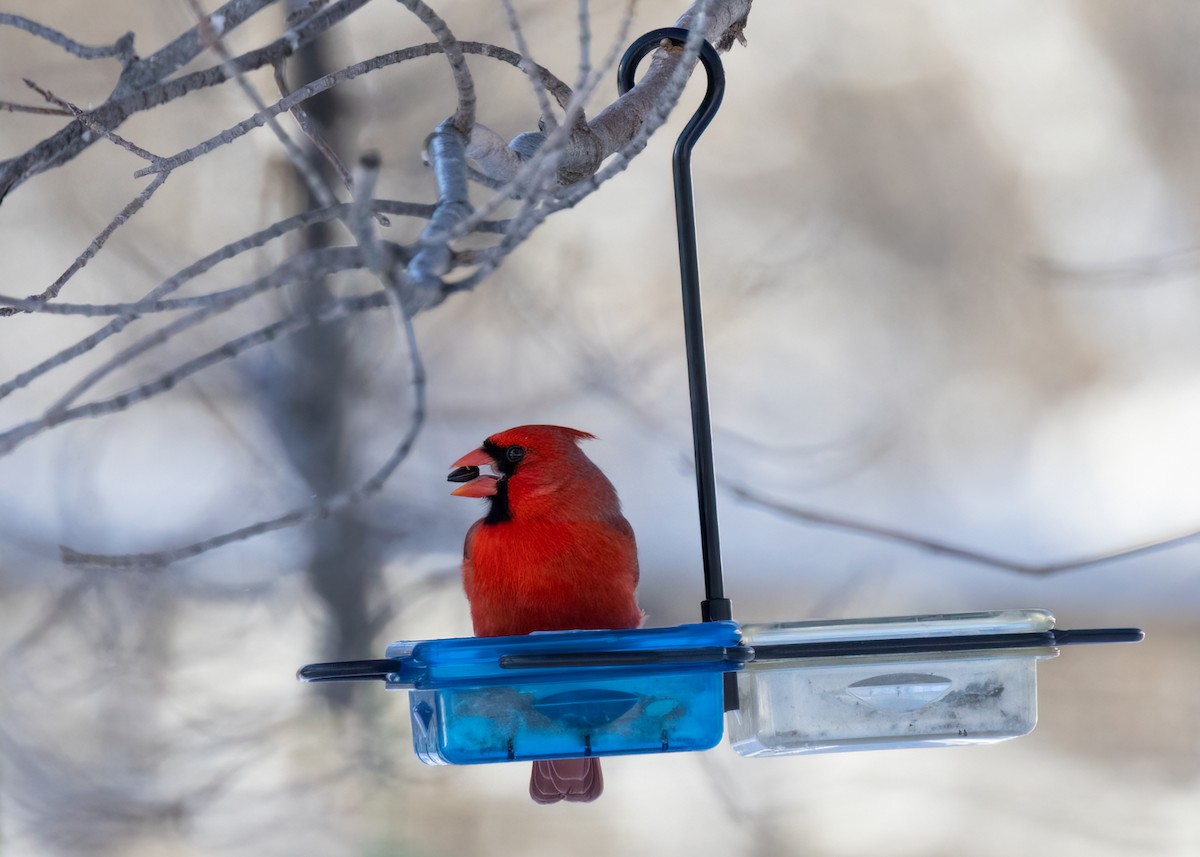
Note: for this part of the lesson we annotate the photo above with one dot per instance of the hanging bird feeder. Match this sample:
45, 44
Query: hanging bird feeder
785, 688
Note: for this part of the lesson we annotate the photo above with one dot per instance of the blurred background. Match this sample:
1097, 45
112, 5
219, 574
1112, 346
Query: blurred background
951, 260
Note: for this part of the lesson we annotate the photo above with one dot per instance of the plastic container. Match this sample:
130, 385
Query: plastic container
819, 687
567, 694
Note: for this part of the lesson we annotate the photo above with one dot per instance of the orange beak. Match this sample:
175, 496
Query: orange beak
466, 470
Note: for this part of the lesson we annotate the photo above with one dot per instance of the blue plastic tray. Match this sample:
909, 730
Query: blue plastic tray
567, 694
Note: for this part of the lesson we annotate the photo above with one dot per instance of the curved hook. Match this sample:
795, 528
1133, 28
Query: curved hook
715, 605
709, 57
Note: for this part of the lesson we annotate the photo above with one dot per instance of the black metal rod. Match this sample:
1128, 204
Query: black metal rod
947, 644
704, 655
735, 656
715, 606
348, 670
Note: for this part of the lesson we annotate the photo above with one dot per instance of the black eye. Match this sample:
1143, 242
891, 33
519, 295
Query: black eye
514, 453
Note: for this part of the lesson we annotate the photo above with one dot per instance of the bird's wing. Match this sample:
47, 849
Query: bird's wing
623, 527
468, 569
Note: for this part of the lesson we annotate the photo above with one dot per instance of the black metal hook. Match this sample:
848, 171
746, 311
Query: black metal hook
716, 606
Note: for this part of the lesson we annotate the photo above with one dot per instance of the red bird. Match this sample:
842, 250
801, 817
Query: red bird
553, 553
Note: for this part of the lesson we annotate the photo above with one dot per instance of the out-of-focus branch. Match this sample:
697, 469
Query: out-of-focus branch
328, 261
528, 65
313, 133
122, 48
12, 107
211, 30
309, 90
447, 153
720, 22
131, 208
155, 299
374, 256
144, 84
464, 115
320, 508
640, 112
1136, 271
820, 518
82, 116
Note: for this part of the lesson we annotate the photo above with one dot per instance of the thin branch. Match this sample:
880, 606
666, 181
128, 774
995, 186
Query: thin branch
327, 313
556, 87
13, 107
144, 84
396, 292
309, 90
321, 262
311, 130
361, 225
585, 45
132, 208
464, 115
122, 48
820, 518
314, 263
663, 84
192, 271
359, 216
1135, 270
82, 116
575, 132
211, 29
319, 509
183, 49
527, 64
155, 303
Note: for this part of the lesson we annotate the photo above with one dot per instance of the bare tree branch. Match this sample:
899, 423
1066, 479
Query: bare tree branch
464, 115
122, 216
319, 509
11, 107
72, 110
447, 154
820, 518
309, 90
122, 48
210, 30
143, 83
619, 124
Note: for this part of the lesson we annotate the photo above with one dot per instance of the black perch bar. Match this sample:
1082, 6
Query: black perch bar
738, 655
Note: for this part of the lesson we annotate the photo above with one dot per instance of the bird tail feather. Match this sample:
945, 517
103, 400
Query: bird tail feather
575, 780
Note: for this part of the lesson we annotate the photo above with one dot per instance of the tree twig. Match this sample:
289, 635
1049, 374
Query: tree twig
211, 34
144, 84
464, 114
130, 209
820, 518
122, 48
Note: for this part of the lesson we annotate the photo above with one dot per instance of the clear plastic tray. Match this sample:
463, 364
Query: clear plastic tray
792, 705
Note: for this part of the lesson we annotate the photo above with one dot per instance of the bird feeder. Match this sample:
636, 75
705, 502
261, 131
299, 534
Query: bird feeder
785, 688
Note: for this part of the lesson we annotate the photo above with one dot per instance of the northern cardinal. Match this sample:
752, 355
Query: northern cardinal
553, 553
